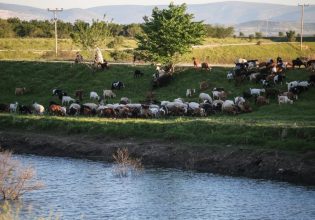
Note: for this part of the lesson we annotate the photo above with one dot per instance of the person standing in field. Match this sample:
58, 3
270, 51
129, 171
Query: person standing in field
98, 57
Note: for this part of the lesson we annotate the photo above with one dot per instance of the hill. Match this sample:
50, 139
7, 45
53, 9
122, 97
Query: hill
227, 13
263, 127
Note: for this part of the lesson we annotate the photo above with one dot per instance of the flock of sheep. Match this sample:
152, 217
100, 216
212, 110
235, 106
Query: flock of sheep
208, 103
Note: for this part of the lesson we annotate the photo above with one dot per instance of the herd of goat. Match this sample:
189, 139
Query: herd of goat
267, 75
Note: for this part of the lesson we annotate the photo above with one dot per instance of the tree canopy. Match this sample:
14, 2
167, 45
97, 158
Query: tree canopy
169, 33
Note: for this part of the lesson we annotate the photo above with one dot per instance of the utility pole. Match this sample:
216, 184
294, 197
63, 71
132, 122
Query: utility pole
55, 19
302, 23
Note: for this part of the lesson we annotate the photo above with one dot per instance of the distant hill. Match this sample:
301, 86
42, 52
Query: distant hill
272, 28
214, 13
244, 16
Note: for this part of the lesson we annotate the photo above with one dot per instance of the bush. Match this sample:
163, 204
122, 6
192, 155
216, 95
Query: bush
15, 179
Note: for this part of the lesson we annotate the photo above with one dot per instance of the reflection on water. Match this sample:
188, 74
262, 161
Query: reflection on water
80, 189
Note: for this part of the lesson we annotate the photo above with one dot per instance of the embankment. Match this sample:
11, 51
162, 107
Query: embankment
253, 162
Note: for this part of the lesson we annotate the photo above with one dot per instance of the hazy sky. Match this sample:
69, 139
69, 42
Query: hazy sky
92, 3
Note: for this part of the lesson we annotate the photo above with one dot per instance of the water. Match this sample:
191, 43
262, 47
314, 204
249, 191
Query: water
81, 189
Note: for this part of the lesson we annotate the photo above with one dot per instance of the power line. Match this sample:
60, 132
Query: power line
302, 22
55, 19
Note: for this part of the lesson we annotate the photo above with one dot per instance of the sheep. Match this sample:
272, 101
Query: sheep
230, 75
205, 97
190, 92
203, 85
92, 106
219, 95
256, 91
66, 100
228, 106
239, 100
292, 84
94, 95
38, 109
13, 107
109, 94
253, 76
284, 100
79, 94
124, 100
63, 110
304, 84
20, 91
74, 109
290, 95
261, 100
180, 100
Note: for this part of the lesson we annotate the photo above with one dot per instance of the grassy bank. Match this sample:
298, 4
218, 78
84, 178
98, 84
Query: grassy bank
285, 127
222, 53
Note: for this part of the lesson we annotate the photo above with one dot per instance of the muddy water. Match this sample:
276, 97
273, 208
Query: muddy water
81, 189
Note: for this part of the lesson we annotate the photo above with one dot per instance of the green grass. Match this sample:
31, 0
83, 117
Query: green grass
24, 50
263, 127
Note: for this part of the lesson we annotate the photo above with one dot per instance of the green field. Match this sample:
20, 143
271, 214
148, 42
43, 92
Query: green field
220, 53
285, 127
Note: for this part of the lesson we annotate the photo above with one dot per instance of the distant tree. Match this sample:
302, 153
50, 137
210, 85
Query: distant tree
168, 34
258, 35
218, 31
281, 34
291, 36
241, 34
6, 29
91, 35
251, 37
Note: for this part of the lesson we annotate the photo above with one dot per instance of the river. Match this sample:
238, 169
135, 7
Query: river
83, 189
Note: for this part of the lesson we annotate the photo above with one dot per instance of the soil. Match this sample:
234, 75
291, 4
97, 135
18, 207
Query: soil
253, 162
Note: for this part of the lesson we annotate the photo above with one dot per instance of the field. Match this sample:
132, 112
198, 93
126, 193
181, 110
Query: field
290, 127
216, 51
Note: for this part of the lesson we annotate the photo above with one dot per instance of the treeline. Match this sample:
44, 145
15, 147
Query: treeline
217, 31
14, 27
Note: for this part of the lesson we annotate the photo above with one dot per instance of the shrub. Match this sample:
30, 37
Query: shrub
125, 164
15, 179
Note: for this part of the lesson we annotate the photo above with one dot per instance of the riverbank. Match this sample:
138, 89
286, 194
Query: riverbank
263, 163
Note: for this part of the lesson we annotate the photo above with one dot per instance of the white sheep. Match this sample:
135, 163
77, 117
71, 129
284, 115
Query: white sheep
109, 94
94, 95
284, 100
91, 105
256, 91
13, 106
66, 100
38, 109
239, 100
190, 92
205, 97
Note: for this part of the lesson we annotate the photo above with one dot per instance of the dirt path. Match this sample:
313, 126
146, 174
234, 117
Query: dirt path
236, 161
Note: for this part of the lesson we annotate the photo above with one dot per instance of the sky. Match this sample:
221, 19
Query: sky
92, 3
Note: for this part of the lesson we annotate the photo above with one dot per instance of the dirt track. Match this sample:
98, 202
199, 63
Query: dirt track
236, 161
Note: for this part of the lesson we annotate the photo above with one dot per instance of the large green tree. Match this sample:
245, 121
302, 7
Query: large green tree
91, 35
169, 33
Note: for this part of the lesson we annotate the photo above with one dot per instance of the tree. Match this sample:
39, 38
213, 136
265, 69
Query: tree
281, 34
242, 34
258, 35
168, 34
251, 37
91, 35
291, 36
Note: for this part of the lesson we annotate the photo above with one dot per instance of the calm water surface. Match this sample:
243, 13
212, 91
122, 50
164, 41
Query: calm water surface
81, 189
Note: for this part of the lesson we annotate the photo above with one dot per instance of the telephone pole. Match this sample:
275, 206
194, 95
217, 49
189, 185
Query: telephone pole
55, 19
302, 23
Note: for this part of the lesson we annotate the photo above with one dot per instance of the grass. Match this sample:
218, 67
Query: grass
290, 127
32, 49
